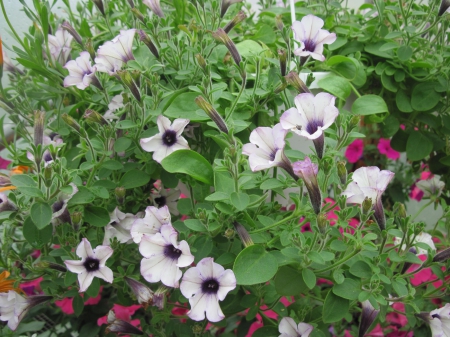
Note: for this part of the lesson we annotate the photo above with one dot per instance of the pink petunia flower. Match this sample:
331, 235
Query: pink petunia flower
384, 146
354, 151
123, 313
4, 163
416, 193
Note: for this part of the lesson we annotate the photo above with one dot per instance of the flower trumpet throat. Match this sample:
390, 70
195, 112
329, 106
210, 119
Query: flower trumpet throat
212, 113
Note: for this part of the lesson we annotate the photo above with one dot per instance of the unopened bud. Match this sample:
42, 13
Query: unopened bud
293, 79
279, 23
342, 172
77, 218
138, 15
241, 16
442, 256
48, 170
212, 113
144, 294
229, 233
159, 297
243, 234
90, 48
322, 221
366, 205
71, 122
282, 57
148, 42
220, 36
197, 329
201, 61
401, 211
281, 87
131, 3
155, 7
93, 117
127, 79
353, 122
445, 4
120, 194
225, 5
38, 127
99, 5
67, 26
4, 180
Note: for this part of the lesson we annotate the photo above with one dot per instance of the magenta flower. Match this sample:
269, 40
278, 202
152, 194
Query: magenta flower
307, 170
354, 151
311, 37
384, 146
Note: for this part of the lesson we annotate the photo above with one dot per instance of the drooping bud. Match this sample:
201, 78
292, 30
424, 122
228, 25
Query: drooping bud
241, 16
93, 117
282, 57
43, 265
99, 5
279, 23
201, 62
155, 6
131, 3
38, 127
342, 172
243, 234
159, 297
120, 194
120, 326
138, 15
212, 113
308, 170
401, 211
368, 315
442, 256
445, 4
293, 79
148, 42
220, 36
71, 122
67, 26
127, 79
144, 294
322, 222
366, 206
90, 48
225, 5
4, 180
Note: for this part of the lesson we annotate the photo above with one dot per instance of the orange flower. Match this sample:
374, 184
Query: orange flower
16, 170
7, 285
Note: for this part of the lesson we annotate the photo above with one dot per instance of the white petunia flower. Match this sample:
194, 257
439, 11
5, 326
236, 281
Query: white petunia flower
59, 207
423, 238
115, 104
311, 37
369, 182
59, 45
119, 227
312, 115
168, 139
14, 307
151, 223
368, 316
113, 54
288, 328
163, 257
166, 197
92, 264
144, 295
155, 6
81, 72
431, 187
308, 170
205, 285
439, 321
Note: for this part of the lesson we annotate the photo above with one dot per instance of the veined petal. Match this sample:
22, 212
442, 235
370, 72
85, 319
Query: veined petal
288, 326
152, 245
206, 268
198, 307
305, 105
84, 249
153, 267
321, 101
163, 123
85, 280
75, 266
161, 153
102, 253
227, 282
213, 311
152, 143
104, 273
186, 258
384, 178
262, 136
171, 274
179, 124
191, 283
312, 25
354, 193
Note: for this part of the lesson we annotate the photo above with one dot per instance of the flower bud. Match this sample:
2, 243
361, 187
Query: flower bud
282, 57
201, 62
38, 127
155, 7
225, 5
120, 194
342, 172
293, 79
243, 234
5, 204
43, 265
131, 3
368, 316
93, 117
90, 48
281, 87
67, 26
229, 233
279, 23
127, 79
4, 180
159, 297
445, 4
48, 170
77, 218
241, 16
148, 42
1, 59
353, 122
99, 5
366, 205
220, 36
120, 326
71, 122
144, 294
212, 113
401, 211
138, 15
322, 222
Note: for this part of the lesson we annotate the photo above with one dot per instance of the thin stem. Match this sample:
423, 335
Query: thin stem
421, 209
337, 264
276, 224
244, 82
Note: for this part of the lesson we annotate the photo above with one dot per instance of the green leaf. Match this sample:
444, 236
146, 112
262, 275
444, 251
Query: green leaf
309, 278
374, 48
204, 246
78, 305
361, 269
336, 86
190, 163
338, 43
403, 101
284, 284
122, 144
240, 200
248, 48
96, 216
195, 225
41, 214
100, 191
94, 288
26, 185
348, 289
83, 196
70, 278
266, 331
134, 178
34, 236
369, 105
254, 265
271, 184
424, 96
418, 146
126, 124
388, 83
334, 308
112, 165
217, 196
265, 34
404, 53
184, 107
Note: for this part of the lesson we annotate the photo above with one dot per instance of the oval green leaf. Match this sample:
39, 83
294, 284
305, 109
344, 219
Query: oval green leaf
424, 97
96, 216
190, 163
41, 214
336, 86
334, 308
133, 179
254, 265
369, 105
418, 146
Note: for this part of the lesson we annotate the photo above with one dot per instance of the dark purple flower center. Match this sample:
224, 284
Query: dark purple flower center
172, 252
161, 201
57, 206
313, 126
53, 135
47, 157
169, 137
114, 223
310, 45
91, 264
272, 155
436, 316
210, 286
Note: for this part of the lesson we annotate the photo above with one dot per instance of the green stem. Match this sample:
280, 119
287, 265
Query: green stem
244, 82
337, 264
276, 224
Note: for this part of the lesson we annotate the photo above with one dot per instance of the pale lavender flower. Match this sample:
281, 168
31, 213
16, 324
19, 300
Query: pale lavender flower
113, 54
288, 328
59, 207
120, 326
115, 104
166, 197
14, 307
144, 294
119, 227
163, 257
420, 238
5, 204
431, 187
311, 37
307, 170
59, 45
368, 316
8, 65
205, 285
312, 115
81, 72
439, 320
92, 264
151, 223
369, 182
155, 7
168, 139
